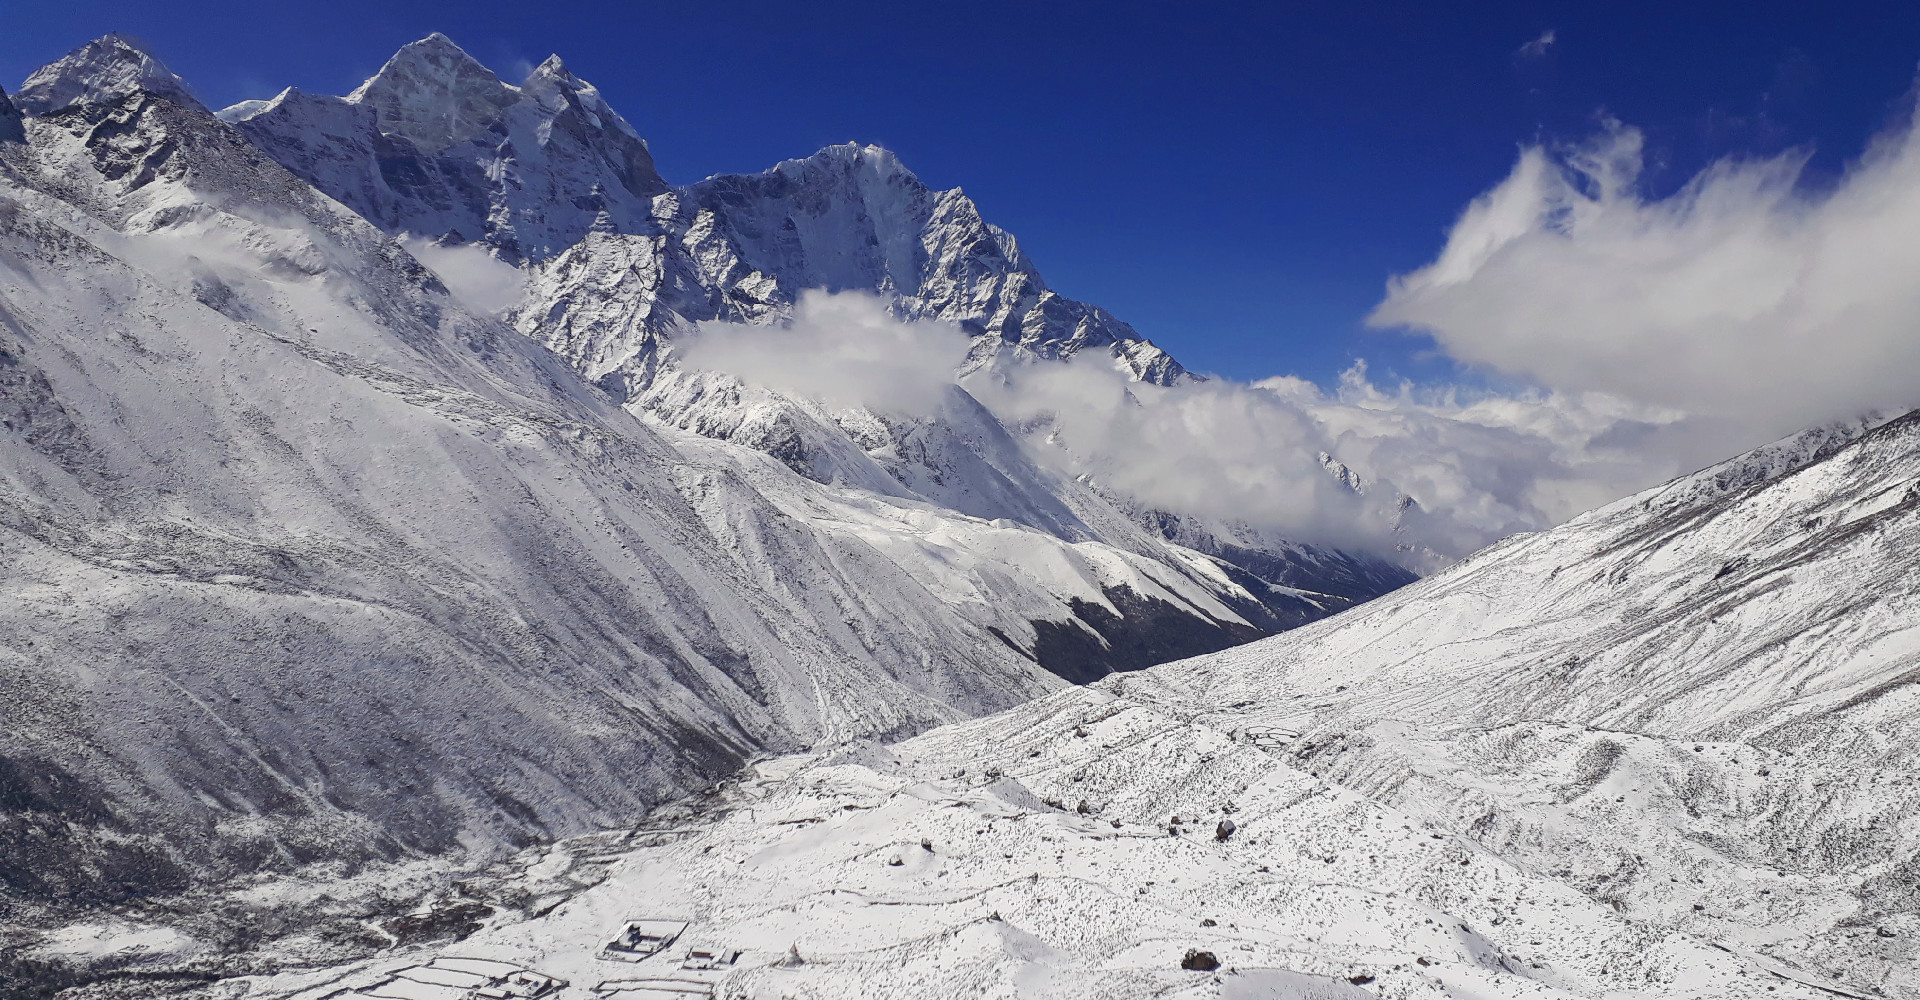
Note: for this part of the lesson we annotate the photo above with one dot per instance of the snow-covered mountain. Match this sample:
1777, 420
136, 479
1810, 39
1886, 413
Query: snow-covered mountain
435, 144
1665, 750
306, 562
545, 172
615, 276
325, 590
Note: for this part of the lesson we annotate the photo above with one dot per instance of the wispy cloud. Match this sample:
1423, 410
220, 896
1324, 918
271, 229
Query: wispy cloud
844, 350
1538, 47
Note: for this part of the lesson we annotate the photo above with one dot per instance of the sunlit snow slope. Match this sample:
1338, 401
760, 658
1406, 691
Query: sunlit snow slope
302, 560
1666, 750
617, 266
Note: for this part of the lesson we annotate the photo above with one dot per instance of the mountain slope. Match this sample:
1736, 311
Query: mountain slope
615, 276
1665, 750
437, 146
308, 564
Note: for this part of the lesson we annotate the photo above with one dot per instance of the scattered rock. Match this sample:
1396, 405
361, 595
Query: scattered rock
1224, 830
1199, 961
454, 919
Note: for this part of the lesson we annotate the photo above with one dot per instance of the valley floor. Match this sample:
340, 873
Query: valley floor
1089, 845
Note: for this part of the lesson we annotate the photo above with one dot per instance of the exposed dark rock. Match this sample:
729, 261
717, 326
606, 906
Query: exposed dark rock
11, 129
454, 919
1147, 631
1199, 961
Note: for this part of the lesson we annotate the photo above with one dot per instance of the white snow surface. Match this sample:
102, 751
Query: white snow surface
106, 69
618, 267
1666, 750
305, 560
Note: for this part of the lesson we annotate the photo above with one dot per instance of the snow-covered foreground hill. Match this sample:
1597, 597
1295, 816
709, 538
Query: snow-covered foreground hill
1666, 750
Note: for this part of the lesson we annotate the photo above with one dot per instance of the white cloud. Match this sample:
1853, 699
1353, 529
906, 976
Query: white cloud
1481, 465
1538, 47
1744, 299
844, 350
481, 281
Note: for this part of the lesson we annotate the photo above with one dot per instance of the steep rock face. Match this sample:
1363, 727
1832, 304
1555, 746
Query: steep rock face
436, 145
853, 217
743, 247
11, 129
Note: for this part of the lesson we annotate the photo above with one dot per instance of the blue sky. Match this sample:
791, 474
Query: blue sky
1236, 181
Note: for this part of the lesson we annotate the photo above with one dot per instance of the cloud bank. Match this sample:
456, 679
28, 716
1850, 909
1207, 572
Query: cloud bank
1664, 334
844, 349
1743, 298
481, 281
1481, 465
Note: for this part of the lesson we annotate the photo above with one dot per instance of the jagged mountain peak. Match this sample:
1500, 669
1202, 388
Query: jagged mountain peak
551, 68
555, 87
437, 144
851, 155
435, 94
244, 110
108, 68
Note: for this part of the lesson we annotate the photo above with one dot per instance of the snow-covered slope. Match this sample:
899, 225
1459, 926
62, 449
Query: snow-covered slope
618, 267
1666, 750
436, 145
306, 563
